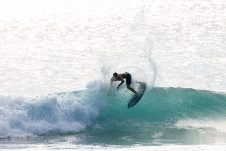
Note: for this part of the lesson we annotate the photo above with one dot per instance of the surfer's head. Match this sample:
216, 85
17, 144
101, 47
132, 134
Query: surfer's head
115, 74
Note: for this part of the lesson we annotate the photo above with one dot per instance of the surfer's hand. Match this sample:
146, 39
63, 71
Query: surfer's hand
117, 87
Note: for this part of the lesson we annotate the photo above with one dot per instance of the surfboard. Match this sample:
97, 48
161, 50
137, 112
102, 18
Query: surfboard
136, 97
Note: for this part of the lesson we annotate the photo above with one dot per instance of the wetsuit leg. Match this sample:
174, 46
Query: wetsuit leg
128, 79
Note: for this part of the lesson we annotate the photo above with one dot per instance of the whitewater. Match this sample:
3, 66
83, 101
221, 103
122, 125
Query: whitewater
57, 57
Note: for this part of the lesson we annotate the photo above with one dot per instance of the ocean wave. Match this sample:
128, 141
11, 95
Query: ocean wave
72, 112
58, 113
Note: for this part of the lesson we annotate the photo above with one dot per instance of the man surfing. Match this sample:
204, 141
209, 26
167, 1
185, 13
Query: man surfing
121, 77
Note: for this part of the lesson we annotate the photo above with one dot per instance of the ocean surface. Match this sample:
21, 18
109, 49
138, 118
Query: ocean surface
57, 57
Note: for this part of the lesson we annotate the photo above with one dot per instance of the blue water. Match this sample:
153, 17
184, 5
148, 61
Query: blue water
90, 117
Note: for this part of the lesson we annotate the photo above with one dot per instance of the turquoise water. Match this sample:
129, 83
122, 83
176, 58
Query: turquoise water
154, 119
90, 117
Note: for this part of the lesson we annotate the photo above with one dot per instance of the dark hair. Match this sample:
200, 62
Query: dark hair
115, 74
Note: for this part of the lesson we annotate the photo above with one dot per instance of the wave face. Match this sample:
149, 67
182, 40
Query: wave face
170, 105
162, 115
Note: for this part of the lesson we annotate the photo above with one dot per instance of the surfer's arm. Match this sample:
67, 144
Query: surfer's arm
122, 81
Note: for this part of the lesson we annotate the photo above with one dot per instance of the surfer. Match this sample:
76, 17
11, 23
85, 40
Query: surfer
121, 77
